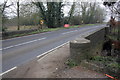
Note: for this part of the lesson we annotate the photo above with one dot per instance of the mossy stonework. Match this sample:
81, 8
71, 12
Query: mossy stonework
85, 48
79, 51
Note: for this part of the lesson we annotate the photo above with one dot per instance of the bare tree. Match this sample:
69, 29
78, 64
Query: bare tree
113, 6
15, 10
3, 6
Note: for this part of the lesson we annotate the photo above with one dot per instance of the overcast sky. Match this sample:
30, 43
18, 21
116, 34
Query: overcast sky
66, 8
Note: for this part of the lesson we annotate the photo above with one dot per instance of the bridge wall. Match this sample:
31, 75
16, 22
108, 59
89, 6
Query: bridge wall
85, 48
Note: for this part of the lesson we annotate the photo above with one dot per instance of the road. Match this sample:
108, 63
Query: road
17, 51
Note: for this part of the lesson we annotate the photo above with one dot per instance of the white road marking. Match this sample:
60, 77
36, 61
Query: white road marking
7, 47
27, 36
69, 32
23, 43
50, 51
45, 32
62, 44
37, 57
37, 34
8, 71
45, 38
78, 30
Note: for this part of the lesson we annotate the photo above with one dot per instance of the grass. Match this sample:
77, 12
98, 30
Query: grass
102, 59
42, 30
14, 28
114, 34
108, 63
115, 30
71, 63
113, 37
114, 65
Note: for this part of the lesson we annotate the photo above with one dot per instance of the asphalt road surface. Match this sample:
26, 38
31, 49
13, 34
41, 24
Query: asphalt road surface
17, 51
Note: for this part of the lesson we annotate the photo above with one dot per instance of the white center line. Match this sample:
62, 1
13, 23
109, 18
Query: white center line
22, 43
69, 32
78, 30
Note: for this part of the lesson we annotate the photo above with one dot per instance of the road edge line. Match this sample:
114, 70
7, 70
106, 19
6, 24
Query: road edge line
8, 70
45, 53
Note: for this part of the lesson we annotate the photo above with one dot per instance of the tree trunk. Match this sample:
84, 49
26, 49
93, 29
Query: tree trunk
2, 16
71, 12
18, 15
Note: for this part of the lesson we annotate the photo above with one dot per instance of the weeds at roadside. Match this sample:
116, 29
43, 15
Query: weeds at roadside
108, 63
71, 63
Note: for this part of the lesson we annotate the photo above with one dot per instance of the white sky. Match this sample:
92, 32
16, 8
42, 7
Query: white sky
65, 10
1, 1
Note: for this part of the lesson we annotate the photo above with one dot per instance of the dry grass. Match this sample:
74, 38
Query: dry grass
14, 28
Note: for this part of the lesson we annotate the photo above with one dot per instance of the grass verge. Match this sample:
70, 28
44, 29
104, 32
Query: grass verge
109, 65
45, 30
71, 63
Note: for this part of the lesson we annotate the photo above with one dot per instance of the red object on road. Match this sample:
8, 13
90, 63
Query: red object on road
66, 25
